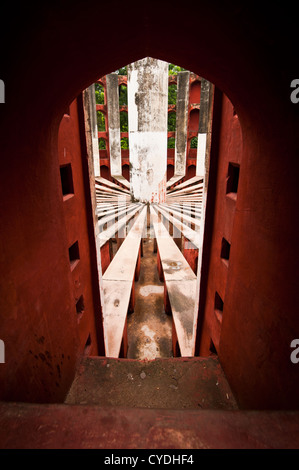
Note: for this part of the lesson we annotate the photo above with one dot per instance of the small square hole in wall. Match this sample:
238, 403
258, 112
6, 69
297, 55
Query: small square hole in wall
232, 178
74, 255
80, 307
212, 348
218, 308
225, 249
66, 180
218, 303
87, 347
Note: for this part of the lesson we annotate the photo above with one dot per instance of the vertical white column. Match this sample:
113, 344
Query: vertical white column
203, 128
181, 123
203, 166
94, 130
113, 124
91, 133
147, 111
91, 127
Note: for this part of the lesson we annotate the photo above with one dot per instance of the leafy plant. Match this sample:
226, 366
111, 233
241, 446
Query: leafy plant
123, 96
172, 93
174, 69
171, 125
124, 143
193, 143
99, 92
101, 121
171, 143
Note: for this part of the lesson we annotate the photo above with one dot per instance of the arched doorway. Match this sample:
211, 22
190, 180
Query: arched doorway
251, 276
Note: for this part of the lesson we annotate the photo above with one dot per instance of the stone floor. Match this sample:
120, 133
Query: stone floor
149, 327
59, 426
173, 383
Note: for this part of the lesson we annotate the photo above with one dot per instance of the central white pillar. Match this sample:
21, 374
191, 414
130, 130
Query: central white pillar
147, 111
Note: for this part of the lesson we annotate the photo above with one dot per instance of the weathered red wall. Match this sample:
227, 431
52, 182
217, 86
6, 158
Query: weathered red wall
229, 150
252, 335
71, 141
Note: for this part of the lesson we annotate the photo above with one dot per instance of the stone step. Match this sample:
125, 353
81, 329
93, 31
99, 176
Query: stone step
160, 404
52, 426
172, 383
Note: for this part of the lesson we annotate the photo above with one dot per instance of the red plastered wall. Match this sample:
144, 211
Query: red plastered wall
229, 152
71, 148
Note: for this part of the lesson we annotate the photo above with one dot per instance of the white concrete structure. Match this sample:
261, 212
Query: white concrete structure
181, 123
180, 155
114, 124
203, 164
92, 126
147, 111
202, 158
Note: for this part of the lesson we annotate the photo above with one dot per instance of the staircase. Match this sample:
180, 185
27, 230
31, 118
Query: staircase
160, 404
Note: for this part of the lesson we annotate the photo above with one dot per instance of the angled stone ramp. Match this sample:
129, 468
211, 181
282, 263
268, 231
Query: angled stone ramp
110, 232
185, 199
115, 214
189, 182
173, 180
110, 184
122, 180
185, 208
112, 200
180, 282
117, 287
184, 194
185, 230
110, 208
112, 193
193, 221
100, 187
112, 197
197, 188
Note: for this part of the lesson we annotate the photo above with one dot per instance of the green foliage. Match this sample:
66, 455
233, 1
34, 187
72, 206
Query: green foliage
99, 92
193, 143
123, 118
102, 144
171, 123
171, 143
122, 71
172, 93
123, 96
101, 122
174, 69
124, 143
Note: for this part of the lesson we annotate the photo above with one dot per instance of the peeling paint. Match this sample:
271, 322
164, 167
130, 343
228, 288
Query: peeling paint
181, 123
114, 124
147, 104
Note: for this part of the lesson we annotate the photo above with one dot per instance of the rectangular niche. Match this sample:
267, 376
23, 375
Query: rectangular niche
232, 179
87, 347
225, 251
212, 348
74, 255
80, 307
218, 307
66, 177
